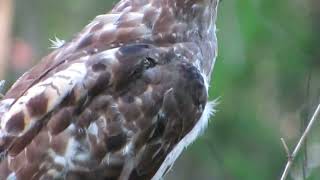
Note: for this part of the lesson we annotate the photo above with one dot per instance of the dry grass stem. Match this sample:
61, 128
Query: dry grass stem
292, 156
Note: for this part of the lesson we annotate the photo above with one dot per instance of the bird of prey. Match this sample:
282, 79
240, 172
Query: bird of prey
121, 100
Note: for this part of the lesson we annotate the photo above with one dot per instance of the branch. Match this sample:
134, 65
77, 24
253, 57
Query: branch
286, 148
299, 145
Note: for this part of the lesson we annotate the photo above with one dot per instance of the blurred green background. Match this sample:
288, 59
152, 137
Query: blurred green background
267, 78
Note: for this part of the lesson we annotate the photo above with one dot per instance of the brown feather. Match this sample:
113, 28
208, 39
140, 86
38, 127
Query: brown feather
116, 100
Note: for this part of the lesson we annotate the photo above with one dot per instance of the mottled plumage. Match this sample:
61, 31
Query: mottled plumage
119, 101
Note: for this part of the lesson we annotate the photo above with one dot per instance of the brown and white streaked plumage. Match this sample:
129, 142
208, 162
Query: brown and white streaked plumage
119, 101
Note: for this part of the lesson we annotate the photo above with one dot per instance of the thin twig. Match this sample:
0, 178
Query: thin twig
286, 148
300, 143
304, 122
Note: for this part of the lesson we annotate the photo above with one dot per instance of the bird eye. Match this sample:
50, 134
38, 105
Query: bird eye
149, 62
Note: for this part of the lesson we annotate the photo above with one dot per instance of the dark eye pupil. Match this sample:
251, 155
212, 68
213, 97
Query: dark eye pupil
149, 62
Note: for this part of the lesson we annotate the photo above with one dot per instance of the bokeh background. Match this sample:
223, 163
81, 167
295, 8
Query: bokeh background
267, 79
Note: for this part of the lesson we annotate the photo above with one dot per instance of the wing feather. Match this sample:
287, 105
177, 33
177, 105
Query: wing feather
112, 103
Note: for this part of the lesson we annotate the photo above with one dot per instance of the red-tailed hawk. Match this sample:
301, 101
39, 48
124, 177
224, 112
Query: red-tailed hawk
121, 100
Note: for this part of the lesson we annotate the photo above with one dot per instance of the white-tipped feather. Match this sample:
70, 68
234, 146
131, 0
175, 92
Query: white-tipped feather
2, 85
12, 176
76, 73
187, 140
56, 43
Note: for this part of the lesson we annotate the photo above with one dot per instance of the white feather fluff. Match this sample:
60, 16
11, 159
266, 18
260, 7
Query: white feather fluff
187, 140
56, 43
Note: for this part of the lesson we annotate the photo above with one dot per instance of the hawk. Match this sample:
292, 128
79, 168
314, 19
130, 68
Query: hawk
121, 100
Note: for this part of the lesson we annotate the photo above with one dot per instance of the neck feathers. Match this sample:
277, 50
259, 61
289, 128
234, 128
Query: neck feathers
179, 21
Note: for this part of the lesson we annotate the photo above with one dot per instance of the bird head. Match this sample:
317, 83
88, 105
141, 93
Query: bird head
184, 25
